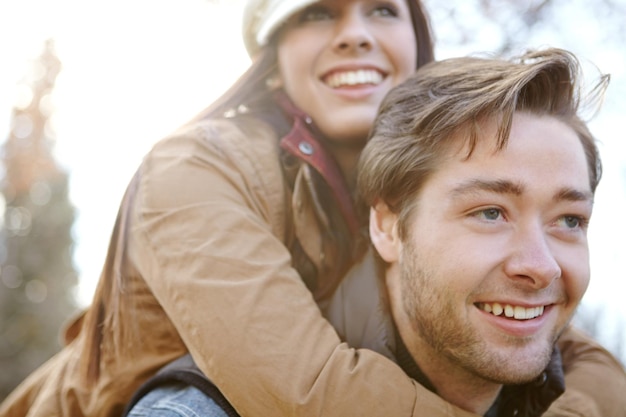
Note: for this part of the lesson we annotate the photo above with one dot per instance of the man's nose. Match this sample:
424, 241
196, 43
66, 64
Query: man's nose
531, 259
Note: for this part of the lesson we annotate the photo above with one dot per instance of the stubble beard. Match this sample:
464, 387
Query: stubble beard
441, 327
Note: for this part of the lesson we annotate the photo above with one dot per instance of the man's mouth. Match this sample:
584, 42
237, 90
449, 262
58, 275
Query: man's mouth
513, 312
352, 78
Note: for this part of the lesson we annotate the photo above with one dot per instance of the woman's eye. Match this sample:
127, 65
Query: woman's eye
385, 11
490, 214
314, 14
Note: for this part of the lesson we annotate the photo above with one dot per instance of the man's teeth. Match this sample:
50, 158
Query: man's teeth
339, 79
516, 312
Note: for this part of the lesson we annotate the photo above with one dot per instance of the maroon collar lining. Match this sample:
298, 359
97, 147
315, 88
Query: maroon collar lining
301, 143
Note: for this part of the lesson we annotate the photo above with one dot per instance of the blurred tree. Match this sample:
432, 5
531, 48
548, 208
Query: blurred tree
37, 276
503, 26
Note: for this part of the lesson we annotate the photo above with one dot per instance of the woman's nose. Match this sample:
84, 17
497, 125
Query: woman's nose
531, 259
353, 34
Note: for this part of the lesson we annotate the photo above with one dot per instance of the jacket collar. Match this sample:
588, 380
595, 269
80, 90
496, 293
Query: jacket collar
303, 143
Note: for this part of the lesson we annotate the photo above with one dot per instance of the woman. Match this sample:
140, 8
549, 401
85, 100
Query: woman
236, 229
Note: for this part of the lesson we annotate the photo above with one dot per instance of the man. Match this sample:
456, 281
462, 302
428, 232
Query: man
481, 178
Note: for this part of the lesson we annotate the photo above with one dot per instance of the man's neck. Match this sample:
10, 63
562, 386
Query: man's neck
447, 379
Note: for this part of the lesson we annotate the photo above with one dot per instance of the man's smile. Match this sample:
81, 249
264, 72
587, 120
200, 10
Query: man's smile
511, 311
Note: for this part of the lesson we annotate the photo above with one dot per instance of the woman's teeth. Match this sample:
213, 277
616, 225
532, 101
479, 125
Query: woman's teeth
350, 78
515, 312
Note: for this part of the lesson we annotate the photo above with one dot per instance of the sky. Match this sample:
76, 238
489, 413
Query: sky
134, 70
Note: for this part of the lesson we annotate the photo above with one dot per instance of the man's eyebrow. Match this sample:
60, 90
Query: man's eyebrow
571, 194
494, 186
510, 187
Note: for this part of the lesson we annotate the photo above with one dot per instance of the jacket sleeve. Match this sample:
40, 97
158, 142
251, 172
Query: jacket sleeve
206, 242
595, 381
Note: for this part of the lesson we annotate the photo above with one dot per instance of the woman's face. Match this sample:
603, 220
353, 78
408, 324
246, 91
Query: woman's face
339, 58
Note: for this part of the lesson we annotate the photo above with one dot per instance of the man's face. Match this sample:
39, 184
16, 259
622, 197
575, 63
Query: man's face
496, 258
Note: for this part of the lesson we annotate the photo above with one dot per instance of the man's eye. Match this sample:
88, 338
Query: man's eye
488, 214
572, 222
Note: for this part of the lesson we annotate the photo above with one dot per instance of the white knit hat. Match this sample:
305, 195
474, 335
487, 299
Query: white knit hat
261, 18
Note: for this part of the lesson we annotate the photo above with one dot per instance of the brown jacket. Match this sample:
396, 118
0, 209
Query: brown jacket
199, 259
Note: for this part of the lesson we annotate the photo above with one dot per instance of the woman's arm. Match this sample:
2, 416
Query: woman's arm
595, 382
207, 243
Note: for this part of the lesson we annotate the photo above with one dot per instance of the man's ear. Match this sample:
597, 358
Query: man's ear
384, 232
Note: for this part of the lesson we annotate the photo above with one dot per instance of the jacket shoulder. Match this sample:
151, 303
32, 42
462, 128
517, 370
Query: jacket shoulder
243, 151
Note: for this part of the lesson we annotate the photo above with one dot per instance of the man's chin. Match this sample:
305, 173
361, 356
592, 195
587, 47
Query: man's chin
517, 369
